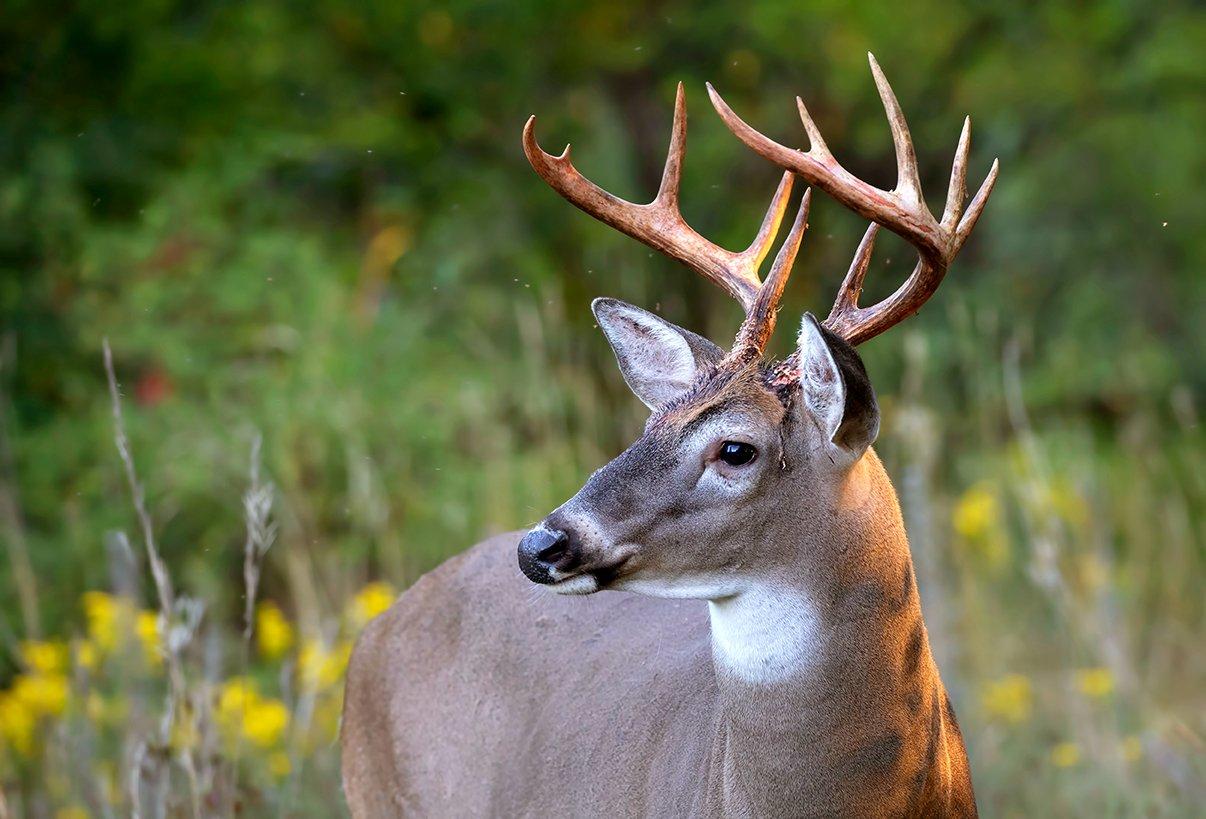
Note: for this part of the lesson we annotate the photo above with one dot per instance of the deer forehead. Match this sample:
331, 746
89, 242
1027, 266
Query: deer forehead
742, 393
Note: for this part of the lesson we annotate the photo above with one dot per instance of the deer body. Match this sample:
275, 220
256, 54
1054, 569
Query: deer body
631, 706
759, 650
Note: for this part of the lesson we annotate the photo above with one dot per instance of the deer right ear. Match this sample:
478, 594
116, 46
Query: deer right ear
659, 360
835, 388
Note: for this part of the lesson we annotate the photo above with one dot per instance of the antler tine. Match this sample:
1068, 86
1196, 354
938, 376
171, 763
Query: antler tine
759, 325
956, 194
660, 224
901, 210
672, 174
852, 285
816, 142
908, 183
977, 205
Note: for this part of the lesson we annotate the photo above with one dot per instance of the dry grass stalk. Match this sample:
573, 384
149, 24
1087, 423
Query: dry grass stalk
177, 634
261, 533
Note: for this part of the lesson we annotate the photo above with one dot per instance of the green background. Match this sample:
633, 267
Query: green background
315, 221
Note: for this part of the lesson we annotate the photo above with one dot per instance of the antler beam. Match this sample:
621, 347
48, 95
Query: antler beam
660, 225
902, 210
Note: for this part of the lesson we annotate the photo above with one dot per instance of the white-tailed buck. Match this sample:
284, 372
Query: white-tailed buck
773, 661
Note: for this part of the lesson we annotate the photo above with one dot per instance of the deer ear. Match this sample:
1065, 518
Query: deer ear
659, 360
835, 388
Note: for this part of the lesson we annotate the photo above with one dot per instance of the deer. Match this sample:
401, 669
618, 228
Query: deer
724, 620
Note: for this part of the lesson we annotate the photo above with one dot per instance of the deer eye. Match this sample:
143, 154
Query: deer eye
737, 453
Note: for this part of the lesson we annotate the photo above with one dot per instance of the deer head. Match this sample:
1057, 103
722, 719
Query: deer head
744, 464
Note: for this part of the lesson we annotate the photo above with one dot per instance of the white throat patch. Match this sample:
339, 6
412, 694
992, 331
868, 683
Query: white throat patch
765, 635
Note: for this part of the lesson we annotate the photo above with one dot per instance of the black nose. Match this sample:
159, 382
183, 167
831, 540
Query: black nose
539, 551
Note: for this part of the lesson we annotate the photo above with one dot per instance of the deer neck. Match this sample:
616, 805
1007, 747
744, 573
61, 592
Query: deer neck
823, 670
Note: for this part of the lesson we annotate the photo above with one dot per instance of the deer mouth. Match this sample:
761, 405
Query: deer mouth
586, 580
575, 584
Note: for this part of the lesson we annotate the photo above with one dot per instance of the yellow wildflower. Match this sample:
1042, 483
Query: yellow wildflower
265, 721
1095, 682
279, 764
369, 602
73, 812
273, 634
320, 666
86, 654
1132, 748
43, 694
102, 612
977, 520
146, 626
233, 697
17, 724
976, 513
242, 711
1065, 755
44, 656
1009, 698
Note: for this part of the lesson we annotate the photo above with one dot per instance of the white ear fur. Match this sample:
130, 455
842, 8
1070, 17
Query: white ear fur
655, 358
820, 379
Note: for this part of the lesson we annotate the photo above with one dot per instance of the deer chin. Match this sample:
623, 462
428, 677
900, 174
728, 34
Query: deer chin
575, 584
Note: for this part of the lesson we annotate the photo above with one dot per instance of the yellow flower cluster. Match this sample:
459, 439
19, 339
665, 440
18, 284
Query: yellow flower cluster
1095, 682
242, 713
113, 625
370, 601
17, 725
40, 692
977, 520
322, 666
1010, 698
109, 619
146, 626
104, 615
273, 633
976, 512
44, 656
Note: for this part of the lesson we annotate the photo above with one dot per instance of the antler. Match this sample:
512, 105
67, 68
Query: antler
901, 210
660, 225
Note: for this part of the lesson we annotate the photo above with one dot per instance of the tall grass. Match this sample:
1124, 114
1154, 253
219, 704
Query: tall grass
155, 712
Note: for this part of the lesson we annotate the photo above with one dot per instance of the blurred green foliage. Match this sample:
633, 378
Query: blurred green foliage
316, 221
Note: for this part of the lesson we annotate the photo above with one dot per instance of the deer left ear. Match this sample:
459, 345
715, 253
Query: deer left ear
659, 360
835, 389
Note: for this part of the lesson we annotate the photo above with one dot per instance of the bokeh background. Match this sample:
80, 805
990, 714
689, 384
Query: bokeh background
312, 226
